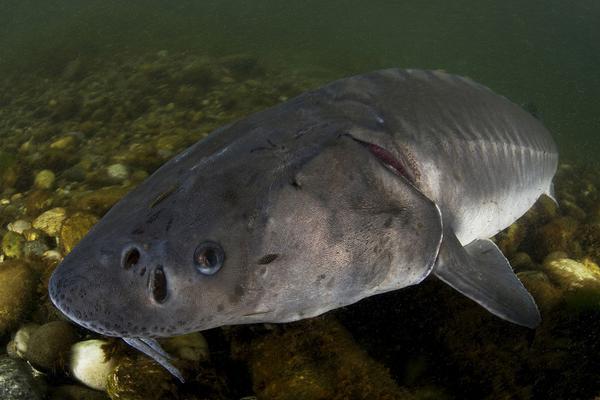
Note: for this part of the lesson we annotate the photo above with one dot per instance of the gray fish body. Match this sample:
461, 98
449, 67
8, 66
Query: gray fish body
477, 155
366, 185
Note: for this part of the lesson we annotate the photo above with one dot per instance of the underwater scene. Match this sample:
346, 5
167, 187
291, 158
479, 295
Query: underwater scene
95, 96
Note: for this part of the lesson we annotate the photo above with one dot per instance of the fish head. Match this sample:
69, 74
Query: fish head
247, 236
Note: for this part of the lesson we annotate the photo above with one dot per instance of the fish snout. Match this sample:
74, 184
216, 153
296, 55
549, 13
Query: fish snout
145, 261
115, 290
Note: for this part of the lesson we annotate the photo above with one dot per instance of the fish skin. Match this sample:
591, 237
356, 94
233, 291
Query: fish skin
296, 181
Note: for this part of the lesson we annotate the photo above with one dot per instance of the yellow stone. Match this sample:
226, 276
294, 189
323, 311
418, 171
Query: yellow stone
50, 221
63, 143
571, 274
75, 228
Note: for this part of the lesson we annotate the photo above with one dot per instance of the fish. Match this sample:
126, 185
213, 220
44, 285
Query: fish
369, 184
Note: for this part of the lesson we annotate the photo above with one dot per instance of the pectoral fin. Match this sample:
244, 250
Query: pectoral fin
482, 273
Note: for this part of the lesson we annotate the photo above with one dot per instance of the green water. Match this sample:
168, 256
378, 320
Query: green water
95, 95
545, 52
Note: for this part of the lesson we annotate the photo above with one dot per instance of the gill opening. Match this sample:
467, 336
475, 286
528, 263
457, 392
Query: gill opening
388, 159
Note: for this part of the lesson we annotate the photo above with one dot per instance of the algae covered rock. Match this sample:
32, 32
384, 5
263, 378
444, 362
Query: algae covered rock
315, 359
190, 347
90, 364
38, 200
572, 275
12, 245
50, 221
19, 226
580, 281
510, 240
21, 339
66, 142
140, 378
9, 169
75, 228
35, 248
50, 344
117, 172
521, 261
44, 179
558, 235
101, 200
74, 392
545, 293
16, 380
17, 287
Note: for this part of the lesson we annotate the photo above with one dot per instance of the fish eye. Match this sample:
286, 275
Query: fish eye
208, 258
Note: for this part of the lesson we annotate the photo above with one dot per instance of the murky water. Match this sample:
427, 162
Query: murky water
95, 95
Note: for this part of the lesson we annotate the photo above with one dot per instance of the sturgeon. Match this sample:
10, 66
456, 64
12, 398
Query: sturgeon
366, 185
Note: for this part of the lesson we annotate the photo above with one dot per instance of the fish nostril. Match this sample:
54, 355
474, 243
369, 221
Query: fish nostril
158, 285
131, 258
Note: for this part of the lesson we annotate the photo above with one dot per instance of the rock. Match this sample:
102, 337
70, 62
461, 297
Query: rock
511, 238
16, 380
589, 236
140, 155
49, 344
17, 287
521, 261
100, 200
241, 65
555, 255
171, 144
117, 172
545, 293
288, 363
75, 228
10, 170
38, 200
548, 207
140, 378
50, 221
19, 226
34, 248
573, 210
12, 245
198, 73
52, 257
191, 347
63, 143
74, 392
186, 95
75, 173
580, 281
89, 364
557, 235
74, 70
139, 175
570, 274
11, 349
21, 340
44, 179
